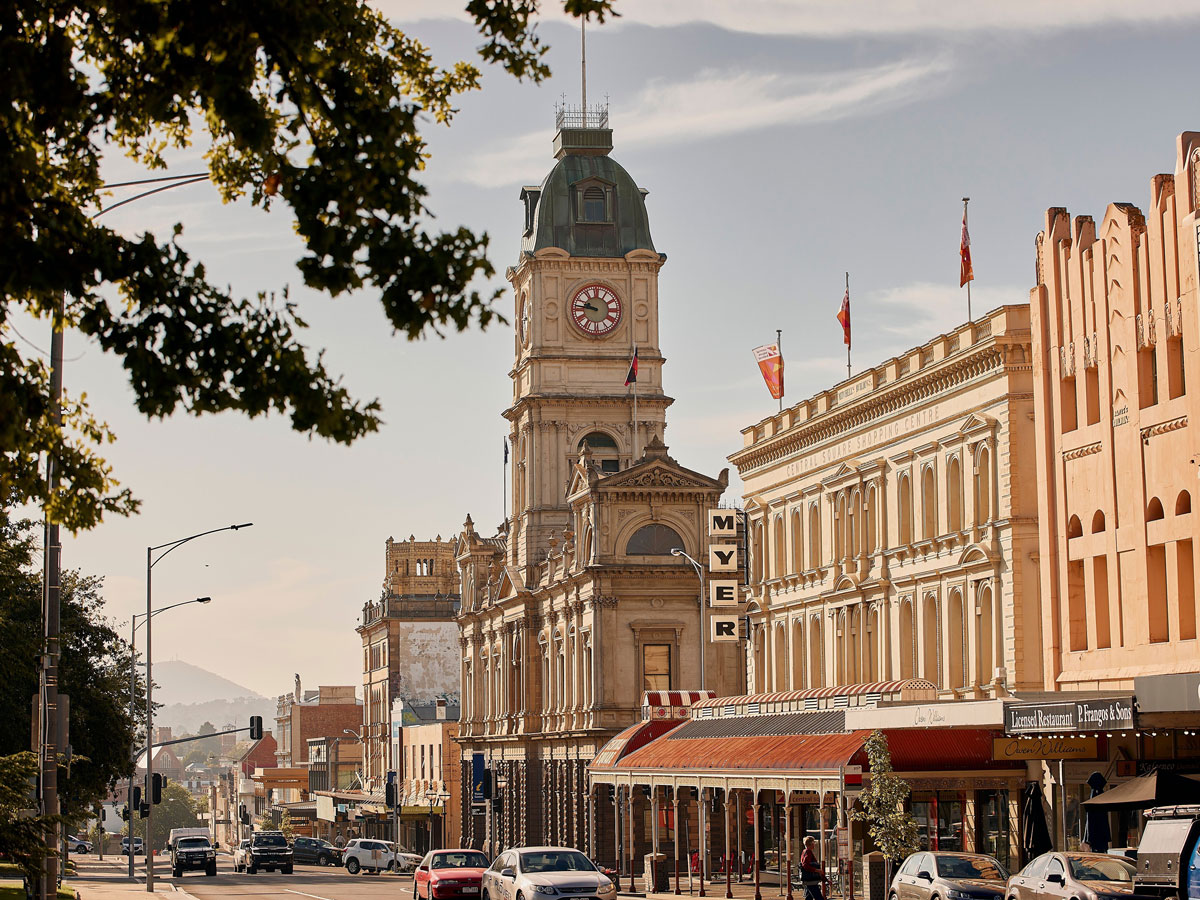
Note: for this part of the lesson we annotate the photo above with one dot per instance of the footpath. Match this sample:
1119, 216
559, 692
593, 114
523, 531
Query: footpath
108, 879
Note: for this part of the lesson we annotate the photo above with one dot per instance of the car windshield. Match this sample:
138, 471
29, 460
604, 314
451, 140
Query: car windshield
465, 859
325, 845
270, 840
193, 843
1101, 868
970, 867
556, 861
245, 844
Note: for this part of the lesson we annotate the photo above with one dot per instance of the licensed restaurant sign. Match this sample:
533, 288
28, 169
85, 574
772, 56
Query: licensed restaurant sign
1067, 716
1019, 748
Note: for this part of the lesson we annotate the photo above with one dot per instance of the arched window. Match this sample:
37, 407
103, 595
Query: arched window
906, 509
757, 551
954, 494
1074, 527
907, 639
779, 561
839, 528
869, 521
593, 205
929, 642
871, 653
1098, 522
1076, 605
1183, 503
814, 536
816, 655
955, 635
605, 452
780, 680
983, 486
986, 638
1154, 511
797, 542
798, 654
929, 514
653, 540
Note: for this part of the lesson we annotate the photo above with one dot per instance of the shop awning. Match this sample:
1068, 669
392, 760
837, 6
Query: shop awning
1155, 789
632, 738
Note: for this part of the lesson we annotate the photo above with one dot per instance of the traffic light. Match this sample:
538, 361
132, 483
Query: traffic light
256, 728
390, 796
487, 784
125, 812
144, 811
137, 795
156, 786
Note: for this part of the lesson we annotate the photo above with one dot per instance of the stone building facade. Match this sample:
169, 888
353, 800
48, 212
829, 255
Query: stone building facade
410, 643
893, 523
575, 606
304, 714
1114, 319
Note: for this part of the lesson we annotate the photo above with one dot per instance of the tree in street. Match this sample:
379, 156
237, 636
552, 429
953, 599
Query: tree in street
891, 827
318, 106
22, 836
93, 671
177, 810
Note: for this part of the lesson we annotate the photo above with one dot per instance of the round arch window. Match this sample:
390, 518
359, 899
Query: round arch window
654, 540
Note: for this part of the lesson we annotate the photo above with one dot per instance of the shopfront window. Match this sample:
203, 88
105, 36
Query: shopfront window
939, 816
656, 667
991, 808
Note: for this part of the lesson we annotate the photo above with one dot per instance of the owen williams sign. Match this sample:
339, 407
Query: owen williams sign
1114, 713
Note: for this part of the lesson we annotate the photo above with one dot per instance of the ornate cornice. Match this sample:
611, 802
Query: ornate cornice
892, 399
1163, 427
1078, 452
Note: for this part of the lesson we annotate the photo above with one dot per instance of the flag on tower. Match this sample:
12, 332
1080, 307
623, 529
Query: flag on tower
770, 363
505, 450
965, 272
843, 316
631, 375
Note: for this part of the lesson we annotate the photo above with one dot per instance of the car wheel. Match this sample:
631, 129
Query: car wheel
286, 870
253, 870
322, 860
391, 866
352, 866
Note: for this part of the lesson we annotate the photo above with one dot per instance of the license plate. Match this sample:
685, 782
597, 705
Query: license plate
474, 889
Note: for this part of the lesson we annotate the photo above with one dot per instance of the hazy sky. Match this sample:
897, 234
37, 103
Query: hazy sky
783, 144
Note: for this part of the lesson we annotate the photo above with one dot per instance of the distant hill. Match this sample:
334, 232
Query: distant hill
186, 718
176, 681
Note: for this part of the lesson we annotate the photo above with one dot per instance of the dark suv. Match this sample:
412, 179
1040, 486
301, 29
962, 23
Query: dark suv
269, 850
314, 850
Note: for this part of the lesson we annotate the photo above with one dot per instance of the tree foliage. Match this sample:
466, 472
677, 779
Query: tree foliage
177, 810
93, 671
22, 836
892, 829
319, 106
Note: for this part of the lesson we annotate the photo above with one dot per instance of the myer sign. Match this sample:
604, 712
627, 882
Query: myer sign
723, 591
1072, 715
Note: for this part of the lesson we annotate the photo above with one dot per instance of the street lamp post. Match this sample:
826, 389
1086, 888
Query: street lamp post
133, 627
151, 562
676, 551
431, 796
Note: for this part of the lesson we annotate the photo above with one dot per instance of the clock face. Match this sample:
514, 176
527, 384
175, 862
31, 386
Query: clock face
595, 310
524, 323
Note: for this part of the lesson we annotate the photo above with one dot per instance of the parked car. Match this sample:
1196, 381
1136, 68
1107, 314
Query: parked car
370, 854
449, 873
78, 845
942, 875
241, 856
525, 873
1077, 876
405, 861
269, 850
138, 849
315, 850
1168, 858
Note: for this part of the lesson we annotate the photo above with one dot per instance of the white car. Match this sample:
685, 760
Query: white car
539, 873
78, 845
241, 856
375, 856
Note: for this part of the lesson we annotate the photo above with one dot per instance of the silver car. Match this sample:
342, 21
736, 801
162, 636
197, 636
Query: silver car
542, 873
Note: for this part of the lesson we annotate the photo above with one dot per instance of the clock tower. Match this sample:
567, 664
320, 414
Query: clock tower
586, 297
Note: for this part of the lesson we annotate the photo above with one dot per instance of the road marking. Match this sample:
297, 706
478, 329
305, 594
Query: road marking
302, 894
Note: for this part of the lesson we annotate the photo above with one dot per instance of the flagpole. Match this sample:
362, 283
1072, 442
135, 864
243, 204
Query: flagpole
967, 200
779, 345
504, 484
847, 342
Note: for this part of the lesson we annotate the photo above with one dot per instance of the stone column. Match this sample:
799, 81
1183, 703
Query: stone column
757, 849
675, 814
728, 858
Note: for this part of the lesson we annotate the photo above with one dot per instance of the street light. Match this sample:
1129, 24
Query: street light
134, 625
676, 551
432, 795
151, 562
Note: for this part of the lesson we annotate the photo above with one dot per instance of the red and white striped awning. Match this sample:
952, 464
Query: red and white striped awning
675, 698
844, 690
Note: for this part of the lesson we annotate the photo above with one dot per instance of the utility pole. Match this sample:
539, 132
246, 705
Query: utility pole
50, 740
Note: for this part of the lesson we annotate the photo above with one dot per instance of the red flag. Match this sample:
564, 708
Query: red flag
770, 363
843, 316
631, 375
965, 272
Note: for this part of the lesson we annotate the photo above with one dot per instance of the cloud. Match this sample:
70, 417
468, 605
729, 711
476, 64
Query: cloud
922, 309
717, 103
839, 18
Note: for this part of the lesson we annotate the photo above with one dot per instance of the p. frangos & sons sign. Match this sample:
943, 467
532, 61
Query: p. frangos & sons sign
1113, 713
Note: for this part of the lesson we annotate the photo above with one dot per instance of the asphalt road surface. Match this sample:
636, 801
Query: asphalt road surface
305, 883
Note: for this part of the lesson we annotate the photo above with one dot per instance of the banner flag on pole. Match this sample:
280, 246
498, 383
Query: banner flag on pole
770, 363
631, 375
965, 272
505, 450
843, 316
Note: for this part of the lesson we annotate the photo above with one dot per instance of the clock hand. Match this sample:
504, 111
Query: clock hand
591, 307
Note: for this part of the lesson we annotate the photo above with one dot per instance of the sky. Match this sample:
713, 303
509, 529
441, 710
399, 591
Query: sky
783, 144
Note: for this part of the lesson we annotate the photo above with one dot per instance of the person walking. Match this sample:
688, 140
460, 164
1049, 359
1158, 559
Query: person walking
811, 875
339, 841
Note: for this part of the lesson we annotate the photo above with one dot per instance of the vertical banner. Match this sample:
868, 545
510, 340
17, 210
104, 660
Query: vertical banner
723, 628
770, 363
477, 775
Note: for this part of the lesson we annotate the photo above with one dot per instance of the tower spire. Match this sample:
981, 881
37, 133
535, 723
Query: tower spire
583, 61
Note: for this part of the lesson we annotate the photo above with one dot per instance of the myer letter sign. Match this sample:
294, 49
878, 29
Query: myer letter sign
722, 593
724, 628
722, 523
722, 558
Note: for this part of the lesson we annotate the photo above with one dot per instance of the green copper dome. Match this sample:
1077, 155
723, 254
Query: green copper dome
588, 205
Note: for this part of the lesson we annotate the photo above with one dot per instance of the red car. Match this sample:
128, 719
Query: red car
449, 873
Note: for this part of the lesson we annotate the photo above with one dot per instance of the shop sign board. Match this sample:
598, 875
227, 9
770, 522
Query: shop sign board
478, 764
1168, 693
1021, 749
723, 592
1072, 715
843, 842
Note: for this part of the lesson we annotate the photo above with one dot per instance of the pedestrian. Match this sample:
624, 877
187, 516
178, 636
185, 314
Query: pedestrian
339, 841
811, 875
